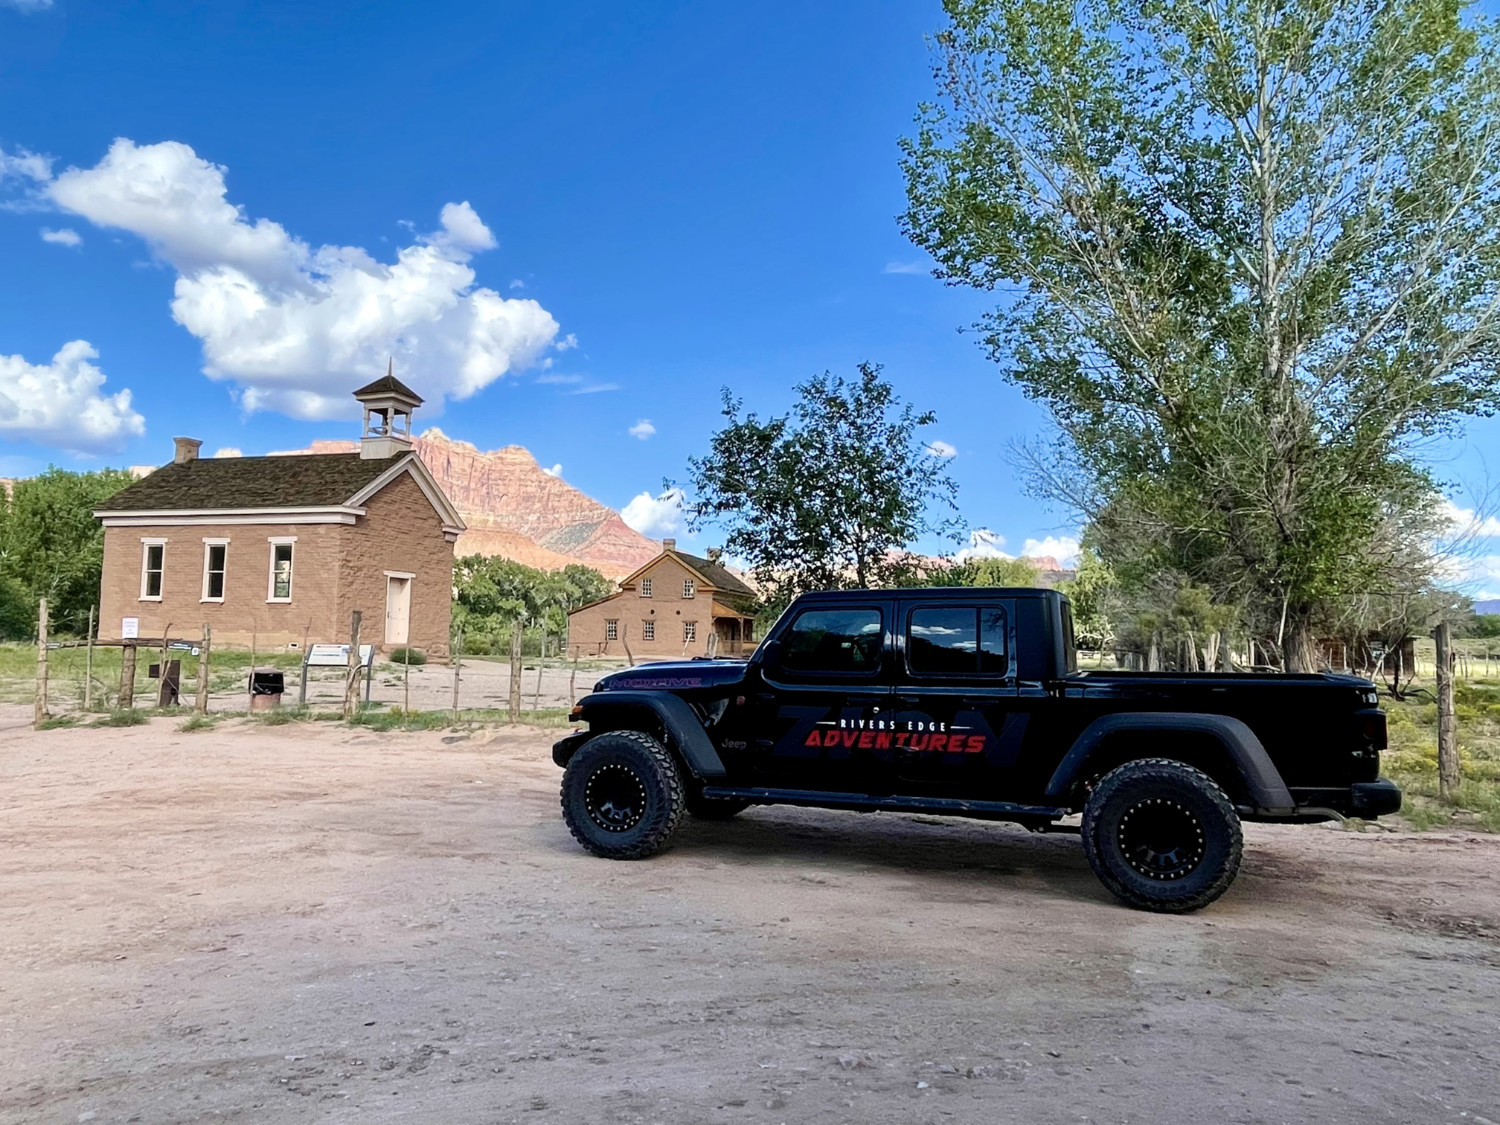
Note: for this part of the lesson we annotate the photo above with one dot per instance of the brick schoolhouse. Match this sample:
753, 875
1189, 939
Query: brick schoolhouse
677, 605
277, 551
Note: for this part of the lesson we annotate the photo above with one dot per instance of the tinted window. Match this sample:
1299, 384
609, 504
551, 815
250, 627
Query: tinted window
956, 640
834, 640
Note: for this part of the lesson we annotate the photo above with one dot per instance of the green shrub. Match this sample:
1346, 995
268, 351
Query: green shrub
129, 717
408, 656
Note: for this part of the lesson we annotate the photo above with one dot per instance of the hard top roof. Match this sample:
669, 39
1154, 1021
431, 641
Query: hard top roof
944, 593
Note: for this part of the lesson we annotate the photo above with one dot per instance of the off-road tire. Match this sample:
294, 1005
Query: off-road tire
1162, 836
700, 807
622, 795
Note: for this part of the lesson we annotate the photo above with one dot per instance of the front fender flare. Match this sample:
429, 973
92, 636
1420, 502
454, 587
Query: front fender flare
678, 719
1244, 751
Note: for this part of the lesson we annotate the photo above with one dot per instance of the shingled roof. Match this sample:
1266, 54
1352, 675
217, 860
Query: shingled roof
718, 574
319, 480
388, 384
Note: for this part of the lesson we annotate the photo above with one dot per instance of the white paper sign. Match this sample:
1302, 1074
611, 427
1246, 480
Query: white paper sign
130, 628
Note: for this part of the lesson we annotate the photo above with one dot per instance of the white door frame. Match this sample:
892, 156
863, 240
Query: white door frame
398, 585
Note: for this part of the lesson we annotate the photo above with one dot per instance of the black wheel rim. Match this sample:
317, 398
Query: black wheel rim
1161, 838
615, 798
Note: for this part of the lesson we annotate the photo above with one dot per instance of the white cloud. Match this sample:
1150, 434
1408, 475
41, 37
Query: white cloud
655, 516
567, 343
65, 237
517, 283
1064, 549
905, 267
1468, 523
983, 544
942, 449
555, 471
297, 327
59, 404
27, 5
642, 429
229, 451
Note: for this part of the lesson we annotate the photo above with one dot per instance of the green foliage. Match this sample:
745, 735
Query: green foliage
829, 495
993, 572
1411, 760
17, 610
52, 546
1091, 593
1485, 625
492, 594
412, 656
1247, 259
123, 717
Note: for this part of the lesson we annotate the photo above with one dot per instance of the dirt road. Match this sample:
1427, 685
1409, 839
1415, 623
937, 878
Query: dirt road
311, 923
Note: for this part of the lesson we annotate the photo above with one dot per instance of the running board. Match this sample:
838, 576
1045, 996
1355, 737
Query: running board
865, 802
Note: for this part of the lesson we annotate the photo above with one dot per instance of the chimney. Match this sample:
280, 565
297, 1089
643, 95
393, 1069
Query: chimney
187, 450
715, 554
669, 544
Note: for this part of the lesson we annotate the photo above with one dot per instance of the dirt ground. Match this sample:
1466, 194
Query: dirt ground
313, 923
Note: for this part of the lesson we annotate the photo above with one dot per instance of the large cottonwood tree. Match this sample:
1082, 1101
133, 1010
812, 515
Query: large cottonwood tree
1246, 257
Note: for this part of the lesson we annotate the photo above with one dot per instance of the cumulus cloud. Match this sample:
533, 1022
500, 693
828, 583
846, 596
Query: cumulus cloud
656, 516
555, 471
942, 449
642, 429
1468, 523
297, 326
1064, 549
65, 237
983, 544
60, 404
229, 451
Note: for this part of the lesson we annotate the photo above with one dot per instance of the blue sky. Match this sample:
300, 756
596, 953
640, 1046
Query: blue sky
603, 213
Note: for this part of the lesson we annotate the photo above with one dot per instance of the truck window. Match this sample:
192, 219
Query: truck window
1070, 645
834, 640
956, 641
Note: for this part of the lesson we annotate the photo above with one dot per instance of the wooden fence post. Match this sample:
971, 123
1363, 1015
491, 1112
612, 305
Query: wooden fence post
201, 705
161, 679
88, 666
1447, 730
458, 650
515, 672
39, 714
351, 686
127, 676
406, 685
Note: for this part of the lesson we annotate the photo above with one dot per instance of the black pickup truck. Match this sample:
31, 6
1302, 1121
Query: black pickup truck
969, 702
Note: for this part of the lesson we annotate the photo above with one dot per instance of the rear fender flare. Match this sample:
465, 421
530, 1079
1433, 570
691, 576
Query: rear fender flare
622, 710
1268, 792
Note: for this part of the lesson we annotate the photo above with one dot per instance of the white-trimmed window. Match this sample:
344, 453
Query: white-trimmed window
689, 588
689, 632
645, 587
648, 630
153, 563
279, 582
611, 630
215, 559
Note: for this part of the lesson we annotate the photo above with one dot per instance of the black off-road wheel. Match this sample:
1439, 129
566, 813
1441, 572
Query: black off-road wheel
1162, 836
700, 807
622, 795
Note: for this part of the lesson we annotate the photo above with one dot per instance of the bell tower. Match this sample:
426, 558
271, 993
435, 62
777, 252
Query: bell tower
388, 405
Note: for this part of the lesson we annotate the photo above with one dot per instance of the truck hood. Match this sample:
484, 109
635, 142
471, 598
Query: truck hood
675, 675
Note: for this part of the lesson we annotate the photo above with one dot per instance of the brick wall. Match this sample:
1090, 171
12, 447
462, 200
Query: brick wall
244, 615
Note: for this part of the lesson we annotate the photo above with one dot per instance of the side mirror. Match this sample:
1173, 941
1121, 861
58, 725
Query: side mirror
768, 654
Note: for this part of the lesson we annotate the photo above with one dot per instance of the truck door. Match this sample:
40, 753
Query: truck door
955, 697
816, 713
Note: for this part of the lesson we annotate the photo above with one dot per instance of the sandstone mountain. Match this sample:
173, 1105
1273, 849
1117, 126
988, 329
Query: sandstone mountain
514, 509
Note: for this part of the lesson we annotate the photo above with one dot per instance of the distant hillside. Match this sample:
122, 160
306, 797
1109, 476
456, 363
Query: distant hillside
1490, 606
517, 511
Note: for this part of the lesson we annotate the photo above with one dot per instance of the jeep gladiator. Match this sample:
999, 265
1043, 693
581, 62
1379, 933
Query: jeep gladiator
969, 702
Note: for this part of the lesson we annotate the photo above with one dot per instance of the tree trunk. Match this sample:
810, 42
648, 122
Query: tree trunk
1299, 650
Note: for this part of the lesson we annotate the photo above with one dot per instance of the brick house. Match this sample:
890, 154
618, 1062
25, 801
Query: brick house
277, 551
668, 610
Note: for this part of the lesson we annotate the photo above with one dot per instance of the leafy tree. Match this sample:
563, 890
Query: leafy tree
52, 546
492, 595
993, 572
829, 495
1248, 265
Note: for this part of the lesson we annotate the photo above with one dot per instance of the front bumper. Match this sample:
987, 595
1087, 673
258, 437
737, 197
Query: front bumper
564, 748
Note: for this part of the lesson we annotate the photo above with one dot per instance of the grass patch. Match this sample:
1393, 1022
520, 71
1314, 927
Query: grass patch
280, 716
202, 722
58, 722
129, 717
1411, 760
